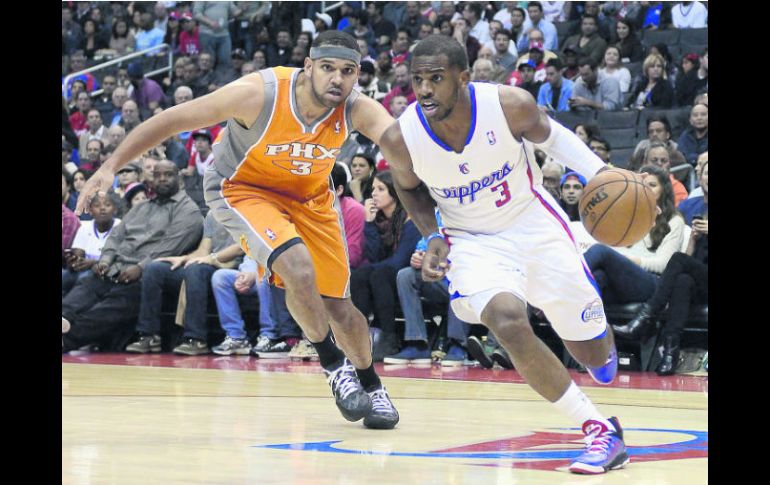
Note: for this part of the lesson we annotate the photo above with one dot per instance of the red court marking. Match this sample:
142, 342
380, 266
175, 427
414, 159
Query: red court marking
624, 380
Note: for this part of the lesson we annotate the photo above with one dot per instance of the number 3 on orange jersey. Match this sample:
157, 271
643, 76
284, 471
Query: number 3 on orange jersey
303, 168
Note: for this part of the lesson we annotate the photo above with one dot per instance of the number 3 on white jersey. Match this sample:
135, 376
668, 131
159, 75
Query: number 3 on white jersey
303, 168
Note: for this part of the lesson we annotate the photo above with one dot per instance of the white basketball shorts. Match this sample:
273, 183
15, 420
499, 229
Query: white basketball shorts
537, 260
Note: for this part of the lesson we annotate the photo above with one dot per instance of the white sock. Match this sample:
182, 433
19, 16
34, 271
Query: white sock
579, 408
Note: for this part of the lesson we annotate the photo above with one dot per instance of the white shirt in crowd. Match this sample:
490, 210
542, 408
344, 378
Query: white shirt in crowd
693, 16
90, 240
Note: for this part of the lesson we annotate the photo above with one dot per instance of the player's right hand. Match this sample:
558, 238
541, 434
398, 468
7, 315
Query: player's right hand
101, 181
435, 263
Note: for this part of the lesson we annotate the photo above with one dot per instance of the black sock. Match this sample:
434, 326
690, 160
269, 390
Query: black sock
369, 379
329, 354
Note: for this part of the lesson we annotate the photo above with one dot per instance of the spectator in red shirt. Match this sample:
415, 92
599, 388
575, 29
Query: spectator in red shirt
79, 119
189, 39
402, 87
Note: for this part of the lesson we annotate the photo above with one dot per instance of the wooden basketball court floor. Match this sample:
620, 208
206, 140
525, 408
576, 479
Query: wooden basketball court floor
235, 420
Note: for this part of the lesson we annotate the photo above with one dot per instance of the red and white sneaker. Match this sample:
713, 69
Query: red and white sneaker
605, 449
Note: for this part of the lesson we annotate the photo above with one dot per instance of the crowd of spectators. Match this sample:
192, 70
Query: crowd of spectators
574, 58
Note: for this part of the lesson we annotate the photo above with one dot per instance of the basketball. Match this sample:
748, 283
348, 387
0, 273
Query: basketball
617, 208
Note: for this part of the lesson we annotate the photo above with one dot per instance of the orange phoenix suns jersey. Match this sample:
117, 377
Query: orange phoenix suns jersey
280, 152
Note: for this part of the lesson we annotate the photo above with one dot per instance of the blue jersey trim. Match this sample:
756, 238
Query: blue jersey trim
435, 138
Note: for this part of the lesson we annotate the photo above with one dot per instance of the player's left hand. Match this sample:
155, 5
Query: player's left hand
435, 264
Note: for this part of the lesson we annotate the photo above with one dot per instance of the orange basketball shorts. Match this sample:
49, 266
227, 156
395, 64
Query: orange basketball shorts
265, 223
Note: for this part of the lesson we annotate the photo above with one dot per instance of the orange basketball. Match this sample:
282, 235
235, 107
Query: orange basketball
617, 208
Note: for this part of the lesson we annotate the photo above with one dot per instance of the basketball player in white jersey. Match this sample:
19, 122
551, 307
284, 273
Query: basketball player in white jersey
470, 148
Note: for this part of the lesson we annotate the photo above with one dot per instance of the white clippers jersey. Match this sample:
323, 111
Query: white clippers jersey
484, 188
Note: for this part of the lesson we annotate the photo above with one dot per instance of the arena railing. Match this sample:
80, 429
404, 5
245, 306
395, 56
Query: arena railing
120, 60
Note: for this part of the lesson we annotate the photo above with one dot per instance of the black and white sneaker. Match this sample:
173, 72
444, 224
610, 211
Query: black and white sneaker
383, 414
351, 399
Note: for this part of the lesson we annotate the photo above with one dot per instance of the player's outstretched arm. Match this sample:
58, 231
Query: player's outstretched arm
411, 190
525, 120
241, 99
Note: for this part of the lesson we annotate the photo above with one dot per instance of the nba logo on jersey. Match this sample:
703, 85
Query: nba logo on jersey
270, 234
464, 168
491, 137
337, 127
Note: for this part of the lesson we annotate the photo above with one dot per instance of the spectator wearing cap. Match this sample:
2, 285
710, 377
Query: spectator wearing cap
556, 91
537, 51
590, 92
536, 20
203, 156
322, 22
189, 38
384, 30
173, 30
369, 84
90, 238
279, 54
232, 73
148, 35
402, 87
96, 130
147, 93
214, 18
525, 78
136, 193
693, 81
571, 70
571, 187
589, 43
536, 55
127, 175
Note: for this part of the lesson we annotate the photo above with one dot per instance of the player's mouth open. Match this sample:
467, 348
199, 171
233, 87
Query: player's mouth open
429, 106
335, 92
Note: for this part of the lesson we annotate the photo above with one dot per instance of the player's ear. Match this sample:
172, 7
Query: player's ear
308, 65
465, 76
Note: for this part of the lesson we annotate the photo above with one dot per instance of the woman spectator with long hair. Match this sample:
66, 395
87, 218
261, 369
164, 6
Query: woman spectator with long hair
629, 274
629, 45
363, 170
91, 41
390, 241
651, 88
122, 40
173, 29
683, 282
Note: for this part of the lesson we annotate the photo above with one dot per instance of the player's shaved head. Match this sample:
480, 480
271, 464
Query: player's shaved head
436, 45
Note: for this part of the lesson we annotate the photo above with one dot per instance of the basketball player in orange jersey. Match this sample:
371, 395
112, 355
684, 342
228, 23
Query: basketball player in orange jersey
269, 186
469, 148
